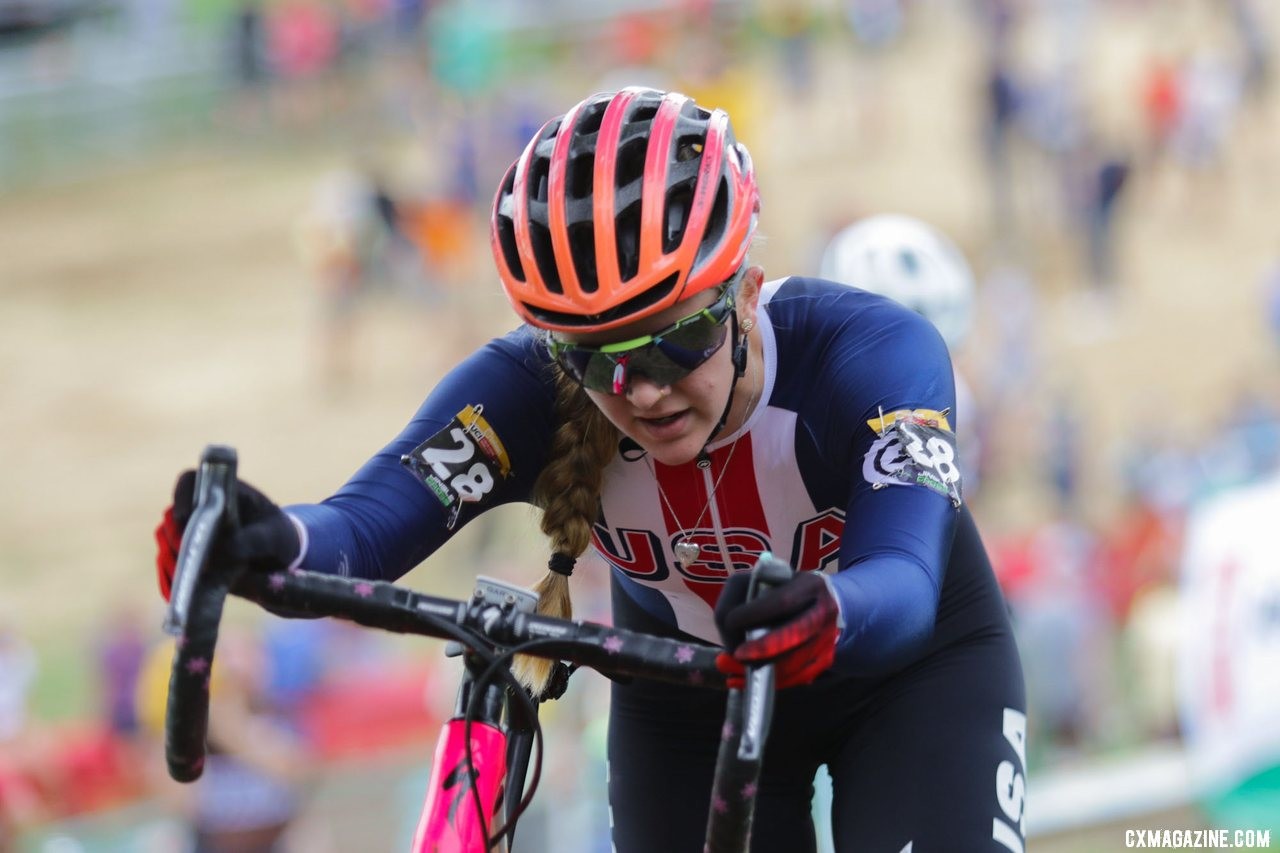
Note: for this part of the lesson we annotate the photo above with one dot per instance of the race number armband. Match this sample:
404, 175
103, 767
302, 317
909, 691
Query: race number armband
461, 463
913, 447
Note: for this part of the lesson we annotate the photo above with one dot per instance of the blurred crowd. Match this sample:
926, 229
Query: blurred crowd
288, 699
1096, 605
295, 705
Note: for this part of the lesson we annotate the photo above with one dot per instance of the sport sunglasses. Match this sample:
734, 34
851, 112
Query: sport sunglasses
664, 357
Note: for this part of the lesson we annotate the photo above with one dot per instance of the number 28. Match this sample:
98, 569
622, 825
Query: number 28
471, 485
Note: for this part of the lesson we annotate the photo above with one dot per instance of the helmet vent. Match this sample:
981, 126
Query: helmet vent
688, 148
645, 112
653, 296
540, 237
717, 223
540, 168
508, 182
579, 179
631, 160
591, 119
582, 246
627, 236
679, 201
507, 240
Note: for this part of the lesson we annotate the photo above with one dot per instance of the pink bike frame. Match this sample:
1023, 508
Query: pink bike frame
449, 822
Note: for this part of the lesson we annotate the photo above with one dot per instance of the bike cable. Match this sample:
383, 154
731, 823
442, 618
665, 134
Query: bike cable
499, 668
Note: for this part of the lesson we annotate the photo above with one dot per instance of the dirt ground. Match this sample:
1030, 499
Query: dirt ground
147, 312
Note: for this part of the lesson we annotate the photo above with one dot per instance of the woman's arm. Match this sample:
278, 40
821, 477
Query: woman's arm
478, 441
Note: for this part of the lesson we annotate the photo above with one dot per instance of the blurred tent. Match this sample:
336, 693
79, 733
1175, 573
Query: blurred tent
1229, 658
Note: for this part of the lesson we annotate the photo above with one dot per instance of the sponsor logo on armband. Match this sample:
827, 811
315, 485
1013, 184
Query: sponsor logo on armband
913, 447
461, 463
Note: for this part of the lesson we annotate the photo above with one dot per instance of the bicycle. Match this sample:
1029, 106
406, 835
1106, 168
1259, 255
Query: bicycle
483, 754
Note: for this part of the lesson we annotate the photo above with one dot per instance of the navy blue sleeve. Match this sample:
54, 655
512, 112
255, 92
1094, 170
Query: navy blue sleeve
897, 535
386, 519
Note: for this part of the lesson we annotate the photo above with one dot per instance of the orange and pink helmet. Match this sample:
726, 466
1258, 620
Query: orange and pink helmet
627, 204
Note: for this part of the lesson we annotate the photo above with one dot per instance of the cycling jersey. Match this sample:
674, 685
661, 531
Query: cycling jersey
818, 474
846, 465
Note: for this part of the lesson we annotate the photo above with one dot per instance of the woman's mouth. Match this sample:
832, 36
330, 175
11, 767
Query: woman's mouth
667, 426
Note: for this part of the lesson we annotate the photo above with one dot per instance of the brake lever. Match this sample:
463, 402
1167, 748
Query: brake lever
757, 693
215, 511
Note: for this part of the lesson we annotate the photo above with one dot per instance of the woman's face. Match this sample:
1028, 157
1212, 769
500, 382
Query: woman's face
673, 422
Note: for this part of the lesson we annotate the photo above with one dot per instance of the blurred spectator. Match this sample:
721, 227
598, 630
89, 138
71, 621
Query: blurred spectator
875, 23
24, 790
248, 45
791, 28
1150, 644
1245, 447
121, 648
1161, 470
258, 771
1211, 89
407, 17
1061, 632
1001, 91
1106, 175
303, 39
1255, 41
391, 258
334, 240
18, 800
1161, 99
996, 20
1063, 453
298, 655
1270, 286
17, 674
1008, 298
1139, 552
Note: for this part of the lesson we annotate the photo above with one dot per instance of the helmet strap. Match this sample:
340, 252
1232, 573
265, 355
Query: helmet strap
741, 345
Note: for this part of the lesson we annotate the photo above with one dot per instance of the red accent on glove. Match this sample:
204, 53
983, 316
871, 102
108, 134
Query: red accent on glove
168, 541
801, 665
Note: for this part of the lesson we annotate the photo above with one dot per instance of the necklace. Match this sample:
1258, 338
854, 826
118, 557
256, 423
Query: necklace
686, 550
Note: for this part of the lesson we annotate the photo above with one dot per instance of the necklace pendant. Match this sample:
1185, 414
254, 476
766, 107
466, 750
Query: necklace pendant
687, 552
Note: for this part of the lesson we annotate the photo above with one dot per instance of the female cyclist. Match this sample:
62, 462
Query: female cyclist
666, 405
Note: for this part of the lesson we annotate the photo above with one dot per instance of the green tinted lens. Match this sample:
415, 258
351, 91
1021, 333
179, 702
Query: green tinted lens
598, 375
664, 358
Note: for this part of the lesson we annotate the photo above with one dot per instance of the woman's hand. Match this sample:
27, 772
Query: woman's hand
266, 540
801, 623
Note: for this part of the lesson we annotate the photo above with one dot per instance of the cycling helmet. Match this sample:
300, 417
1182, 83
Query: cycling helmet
910, 262
628, 203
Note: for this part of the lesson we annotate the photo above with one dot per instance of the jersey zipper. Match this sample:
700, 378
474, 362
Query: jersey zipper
714, 506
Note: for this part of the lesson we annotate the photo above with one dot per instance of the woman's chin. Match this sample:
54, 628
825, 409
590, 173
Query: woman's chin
671, 452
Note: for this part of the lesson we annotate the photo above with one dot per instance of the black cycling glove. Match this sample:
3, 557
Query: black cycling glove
267, 539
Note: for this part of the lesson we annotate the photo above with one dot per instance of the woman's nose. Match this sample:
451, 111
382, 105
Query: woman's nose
644, 393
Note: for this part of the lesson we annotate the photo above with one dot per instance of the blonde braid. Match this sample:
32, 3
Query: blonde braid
568, 490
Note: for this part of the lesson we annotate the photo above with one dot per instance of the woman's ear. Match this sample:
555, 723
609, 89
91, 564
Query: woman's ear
749, 293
